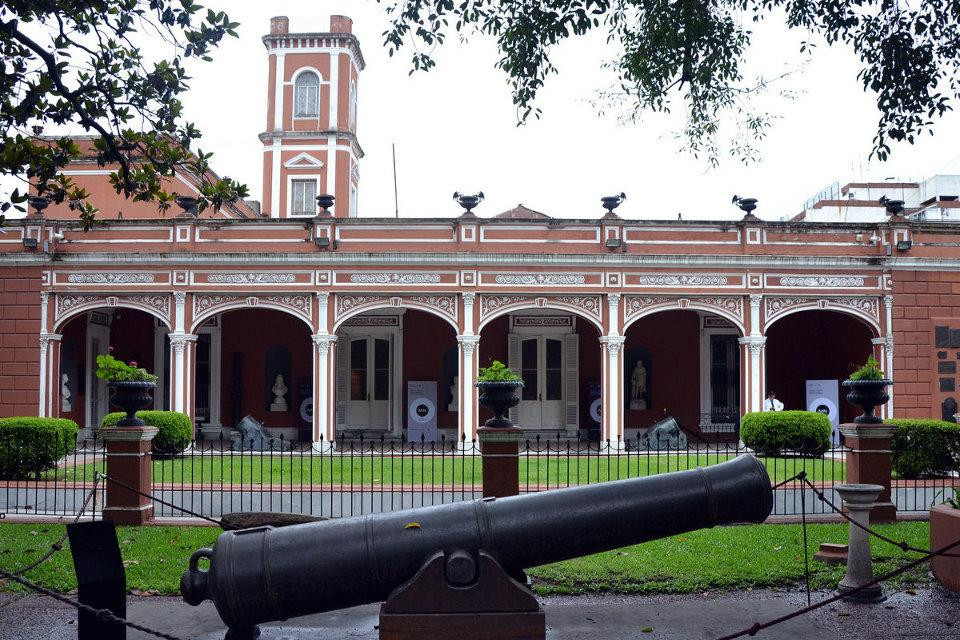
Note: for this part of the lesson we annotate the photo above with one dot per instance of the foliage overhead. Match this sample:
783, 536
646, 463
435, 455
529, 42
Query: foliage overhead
692, 52
81, 65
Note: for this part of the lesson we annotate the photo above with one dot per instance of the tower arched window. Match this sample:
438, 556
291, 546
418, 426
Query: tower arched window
306, 95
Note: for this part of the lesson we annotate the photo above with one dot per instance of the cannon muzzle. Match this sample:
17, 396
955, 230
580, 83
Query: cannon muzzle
265, 574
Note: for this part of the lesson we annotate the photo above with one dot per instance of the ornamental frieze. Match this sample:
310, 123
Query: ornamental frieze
67, 302
489, 304
821, 281
588, 304
395, 278
114, 277
776, 306
206, 304
345, 303
637, 305
251, 278
679, 280
732, 304
546, 279
445, 304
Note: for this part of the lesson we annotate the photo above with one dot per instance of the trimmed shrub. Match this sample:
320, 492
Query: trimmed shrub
30, 446
173, 429
925, 447
773, 432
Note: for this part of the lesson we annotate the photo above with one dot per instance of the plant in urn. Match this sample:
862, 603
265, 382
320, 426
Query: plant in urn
868, 390
132, 387
498, 392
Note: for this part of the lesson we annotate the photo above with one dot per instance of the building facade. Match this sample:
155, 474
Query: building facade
316, 323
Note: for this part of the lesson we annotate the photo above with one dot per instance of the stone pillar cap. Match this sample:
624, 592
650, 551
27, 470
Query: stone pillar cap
859, 494
128, 434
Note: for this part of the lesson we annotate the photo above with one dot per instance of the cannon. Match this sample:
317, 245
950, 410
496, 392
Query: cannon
457, 570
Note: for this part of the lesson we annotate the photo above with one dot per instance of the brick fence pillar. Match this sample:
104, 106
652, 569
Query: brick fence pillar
869, 461
500, 451
129, 461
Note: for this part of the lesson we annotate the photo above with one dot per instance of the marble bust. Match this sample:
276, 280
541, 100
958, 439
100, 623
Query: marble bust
279, 391
638, 387
65, 404
454, 395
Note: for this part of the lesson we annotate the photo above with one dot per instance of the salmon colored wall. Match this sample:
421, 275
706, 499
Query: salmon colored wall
251, 333
673, 378
19, 335
814, 345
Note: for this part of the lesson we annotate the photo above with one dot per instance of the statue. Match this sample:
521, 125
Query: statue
638, 387
454, 395
253, 437
65, 404
279, 391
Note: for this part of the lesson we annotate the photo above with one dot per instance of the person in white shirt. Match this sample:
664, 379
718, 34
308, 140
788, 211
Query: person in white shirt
771, 403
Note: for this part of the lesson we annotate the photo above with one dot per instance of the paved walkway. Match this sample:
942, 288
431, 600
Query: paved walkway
926, 615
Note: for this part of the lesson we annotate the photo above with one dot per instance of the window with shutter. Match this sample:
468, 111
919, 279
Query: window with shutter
513, 361
303, 200
571, 344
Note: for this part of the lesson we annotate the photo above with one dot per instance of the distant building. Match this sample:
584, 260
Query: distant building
350, 310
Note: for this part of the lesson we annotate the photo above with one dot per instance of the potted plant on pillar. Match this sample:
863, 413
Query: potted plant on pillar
945, 529
132, 387
868, 390
498, 392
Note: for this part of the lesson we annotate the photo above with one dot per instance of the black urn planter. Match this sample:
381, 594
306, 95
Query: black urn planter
868, 395
130, 397
499, 397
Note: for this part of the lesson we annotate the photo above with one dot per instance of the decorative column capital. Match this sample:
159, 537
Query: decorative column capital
468, 343
754, 343
44, 296
47, 338
613, 299
180, 297
469, 297
323, 341
755, 300
179, 341
613, 344
888, 341
888, 301
323, 297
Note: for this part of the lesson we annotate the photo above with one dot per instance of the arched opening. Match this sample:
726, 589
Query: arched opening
258, 362
78, 394
396, 376
307, 95
683, 364
815, 345
557, 353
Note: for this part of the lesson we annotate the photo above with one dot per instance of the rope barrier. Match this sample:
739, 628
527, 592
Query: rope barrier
164, 502
104, 615
58, 545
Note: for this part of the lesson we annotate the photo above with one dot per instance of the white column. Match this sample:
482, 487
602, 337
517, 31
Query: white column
278, 95
888, 343
467, 400
755, 342
178, 342
468, 299
323, 304
323, 427
612, 391
613, 307
334, 123
44, 370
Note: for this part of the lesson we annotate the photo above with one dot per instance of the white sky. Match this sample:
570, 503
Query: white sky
455, 128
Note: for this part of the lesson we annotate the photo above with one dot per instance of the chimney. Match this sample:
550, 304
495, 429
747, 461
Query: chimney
279, 25
341, 24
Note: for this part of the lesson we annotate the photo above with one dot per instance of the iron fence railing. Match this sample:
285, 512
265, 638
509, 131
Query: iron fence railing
355, 477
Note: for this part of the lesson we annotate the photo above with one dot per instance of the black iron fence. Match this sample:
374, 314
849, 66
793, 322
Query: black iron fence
360, 476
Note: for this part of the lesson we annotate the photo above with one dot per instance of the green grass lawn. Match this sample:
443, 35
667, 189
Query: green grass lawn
715, 559
448, 470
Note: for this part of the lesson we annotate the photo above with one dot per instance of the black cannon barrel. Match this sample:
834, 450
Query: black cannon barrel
266, 574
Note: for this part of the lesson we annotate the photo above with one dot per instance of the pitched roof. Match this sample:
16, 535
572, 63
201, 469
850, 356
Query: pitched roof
521, 212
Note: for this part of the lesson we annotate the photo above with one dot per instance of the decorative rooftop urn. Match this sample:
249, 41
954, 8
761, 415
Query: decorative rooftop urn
499, 397
130, 397
868, 395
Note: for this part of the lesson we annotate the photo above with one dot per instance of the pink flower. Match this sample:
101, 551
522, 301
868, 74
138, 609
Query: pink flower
109, 349
133, 363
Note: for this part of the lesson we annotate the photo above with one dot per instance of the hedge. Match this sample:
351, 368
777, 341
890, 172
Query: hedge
30, 446
173, 434
925, 447
773, 432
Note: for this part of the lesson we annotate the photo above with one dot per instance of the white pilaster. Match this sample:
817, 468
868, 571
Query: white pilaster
323, 427
755, 388
276, 158
278, 94
468, 299
44, 370
334, 91
612, 392
888, 344
467, 389
323, 307
613, 307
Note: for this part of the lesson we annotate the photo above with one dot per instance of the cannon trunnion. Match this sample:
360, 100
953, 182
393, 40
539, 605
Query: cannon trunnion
451, 563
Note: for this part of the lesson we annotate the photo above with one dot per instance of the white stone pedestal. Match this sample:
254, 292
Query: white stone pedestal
859, 499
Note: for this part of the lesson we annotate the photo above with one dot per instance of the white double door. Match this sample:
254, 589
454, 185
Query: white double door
542, 370
369, 367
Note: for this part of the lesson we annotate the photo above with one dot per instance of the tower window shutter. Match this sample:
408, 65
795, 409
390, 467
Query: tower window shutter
343, 380
571, 387
513, 361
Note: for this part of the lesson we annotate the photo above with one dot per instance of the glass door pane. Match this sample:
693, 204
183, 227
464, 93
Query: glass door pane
553, 369
358, 369
529, 361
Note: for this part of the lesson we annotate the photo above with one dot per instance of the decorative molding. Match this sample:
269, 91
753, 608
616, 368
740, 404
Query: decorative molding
490, 304
865, 306
372, 321
266, 277
343, 303
821, 281
589, 304
159, 302
444, 303
180, 297
395, 277
545, 279
469, 297
680, 280
543, 321
729, 305
613, 344
112, 277
299, 303
732, 305
635, 305
468, 343
323, 342
205, 302
67, 302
